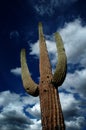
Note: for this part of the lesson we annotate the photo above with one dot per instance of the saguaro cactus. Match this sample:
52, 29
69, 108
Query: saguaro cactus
47, 89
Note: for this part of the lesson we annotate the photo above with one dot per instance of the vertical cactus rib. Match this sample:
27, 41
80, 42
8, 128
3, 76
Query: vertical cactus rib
61, 67
30, 86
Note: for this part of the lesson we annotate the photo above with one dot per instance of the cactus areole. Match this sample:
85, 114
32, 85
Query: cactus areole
47, 89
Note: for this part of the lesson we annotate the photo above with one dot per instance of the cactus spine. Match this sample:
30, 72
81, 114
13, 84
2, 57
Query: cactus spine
51, 112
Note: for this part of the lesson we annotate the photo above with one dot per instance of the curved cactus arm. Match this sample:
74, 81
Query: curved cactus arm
30, 86
61, 67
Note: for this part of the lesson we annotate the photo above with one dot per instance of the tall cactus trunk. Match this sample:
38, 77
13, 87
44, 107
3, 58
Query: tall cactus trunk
51, 112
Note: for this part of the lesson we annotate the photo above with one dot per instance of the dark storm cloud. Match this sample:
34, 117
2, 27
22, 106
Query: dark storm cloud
13, 120
73, 112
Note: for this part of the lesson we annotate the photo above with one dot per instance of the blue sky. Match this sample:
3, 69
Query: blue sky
19, 29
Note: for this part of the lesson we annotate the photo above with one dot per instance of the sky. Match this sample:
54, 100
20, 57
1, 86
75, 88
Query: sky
19, 29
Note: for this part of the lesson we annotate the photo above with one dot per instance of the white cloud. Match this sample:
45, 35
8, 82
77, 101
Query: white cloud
77, 123
12, 116
36, 125
34, 49
35, 111
73, 35
70, 106
76, 82
30, 100
67, 101
6, 97
16, 71
73, 113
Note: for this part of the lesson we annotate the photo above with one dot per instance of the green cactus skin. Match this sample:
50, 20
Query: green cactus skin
30, 86
51, 112
61, 67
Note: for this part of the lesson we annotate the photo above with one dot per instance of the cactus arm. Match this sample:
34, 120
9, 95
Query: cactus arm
30, 86
61, 67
